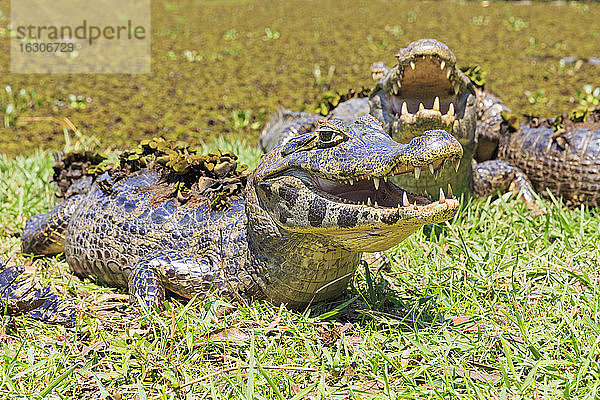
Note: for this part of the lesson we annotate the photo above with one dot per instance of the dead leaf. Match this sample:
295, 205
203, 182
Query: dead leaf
100, 345
461, 320
346, 327
223, 311
231, 335
112, 296
370, 387
405, 357
354, 340
328, 335
350, 369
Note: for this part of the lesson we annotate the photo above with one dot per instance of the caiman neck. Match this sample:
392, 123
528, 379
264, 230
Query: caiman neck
295, 268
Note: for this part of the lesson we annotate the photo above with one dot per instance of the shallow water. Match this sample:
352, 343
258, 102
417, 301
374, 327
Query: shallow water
259, 55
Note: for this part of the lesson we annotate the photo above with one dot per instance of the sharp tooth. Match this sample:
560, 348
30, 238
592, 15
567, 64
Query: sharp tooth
404, 108
456, 164
395, 125
448, 73
395, 88
436, 103
385, 178
376, 205
442, 65
417, 172
456, 89
412, 65
405, 202
450, 194
351, 181
431, 168
451, 109
376, 183
421, 106
368, 201
442, 197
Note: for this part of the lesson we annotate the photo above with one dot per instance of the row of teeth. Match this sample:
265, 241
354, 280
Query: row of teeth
406, 203
376, 180
407, 117
442, 66
436, 173
397, 84
401, 169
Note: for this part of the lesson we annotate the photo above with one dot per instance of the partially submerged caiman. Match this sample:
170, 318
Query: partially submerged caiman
295, 235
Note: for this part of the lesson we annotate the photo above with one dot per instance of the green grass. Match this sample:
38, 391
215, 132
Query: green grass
499, 303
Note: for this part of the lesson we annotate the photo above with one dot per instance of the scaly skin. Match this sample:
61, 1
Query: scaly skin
489, 120
27, 296
311, 207
566, 162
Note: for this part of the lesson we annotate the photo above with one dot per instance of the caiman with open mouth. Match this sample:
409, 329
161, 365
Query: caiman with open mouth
310, 208
426, 90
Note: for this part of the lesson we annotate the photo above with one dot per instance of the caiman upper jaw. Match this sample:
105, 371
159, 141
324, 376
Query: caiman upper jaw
425, 87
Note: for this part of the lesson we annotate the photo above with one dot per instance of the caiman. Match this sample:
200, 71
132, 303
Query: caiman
560, 155
424, 90
295, 235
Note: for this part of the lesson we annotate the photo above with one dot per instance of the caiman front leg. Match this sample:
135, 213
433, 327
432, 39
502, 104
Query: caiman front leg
492, 176
146, 290
183, 274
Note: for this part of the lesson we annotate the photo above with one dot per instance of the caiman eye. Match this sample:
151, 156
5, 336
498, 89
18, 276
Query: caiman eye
329, 138
325, 136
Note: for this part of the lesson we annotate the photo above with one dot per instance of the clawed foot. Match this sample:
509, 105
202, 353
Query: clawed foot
24, 295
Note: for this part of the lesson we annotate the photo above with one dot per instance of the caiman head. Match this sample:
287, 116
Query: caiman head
333, 183
425, 90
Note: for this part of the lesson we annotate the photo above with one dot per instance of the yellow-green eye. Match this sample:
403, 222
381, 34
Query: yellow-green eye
326, 136
329, 138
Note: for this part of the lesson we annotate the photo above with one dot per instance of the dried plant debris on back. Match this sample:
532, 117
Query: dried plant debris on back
330, 100
186, 175
581, 117
72, 173
475, 74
